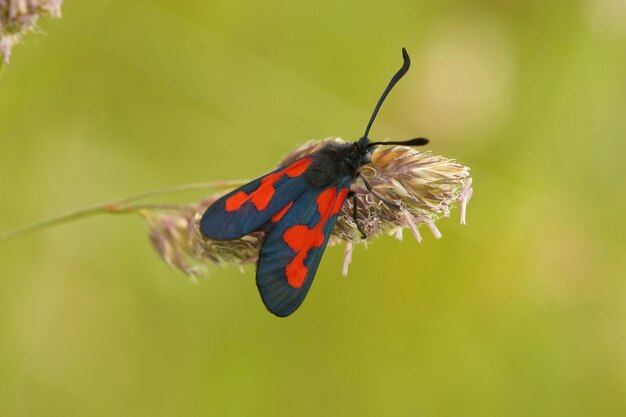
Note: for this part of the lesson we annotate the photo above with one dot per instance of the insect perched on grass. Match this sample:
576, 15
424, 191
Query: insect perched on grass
297, 207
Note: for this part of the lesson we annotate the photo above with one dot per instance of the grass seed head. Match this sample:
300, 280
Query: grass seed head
18, 17
426, 186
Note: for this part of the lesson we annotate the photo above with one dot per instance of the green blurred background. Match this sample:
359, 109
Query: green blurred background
520, 313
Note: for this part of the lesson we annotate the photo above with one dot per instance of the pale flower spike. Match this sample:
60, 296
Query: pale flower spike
18, 17
426, 187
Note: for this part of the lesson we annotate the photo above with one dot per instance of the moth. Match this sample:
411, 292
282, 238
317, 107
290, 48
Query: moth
297, 206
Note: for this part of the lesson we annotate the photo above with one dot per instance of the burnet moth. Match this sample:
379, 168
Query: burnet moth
297, 207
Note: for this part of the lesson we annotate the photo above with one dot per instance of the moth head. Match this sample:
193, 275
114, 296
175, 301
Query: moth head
361, 152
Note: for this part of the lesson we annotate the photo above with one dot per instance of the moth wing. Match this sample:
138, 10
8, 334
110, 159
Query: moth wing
247, 208
294, 246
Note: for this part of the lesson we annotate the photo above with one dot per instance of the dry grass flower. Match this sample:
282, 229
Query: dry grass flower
426, 186
18, 17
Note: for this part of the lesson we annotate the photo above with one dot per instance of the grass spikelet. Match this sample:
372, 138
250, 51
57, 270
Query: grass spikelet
18, 17
426, 186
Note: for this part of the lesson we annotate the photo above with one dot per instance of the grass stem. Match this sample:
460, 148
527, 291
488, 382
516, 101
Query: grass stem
120, 206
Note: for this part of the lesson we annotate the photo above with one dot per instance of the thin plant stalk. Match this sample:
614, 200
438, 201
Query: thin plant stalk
120, 206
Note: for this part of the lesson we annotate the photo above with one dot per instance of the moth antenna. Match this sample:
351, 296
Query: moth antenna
397, 76
410, 142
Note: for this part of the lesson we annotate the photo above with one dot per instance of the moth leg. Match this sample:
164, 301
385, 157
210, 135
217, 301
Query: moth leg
378, 196
355, 214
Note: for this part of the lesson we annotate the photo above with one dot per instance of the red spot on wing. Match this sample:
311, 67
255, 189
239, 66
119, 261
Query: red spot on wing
276, 217
234, 202
262, 196
302, 239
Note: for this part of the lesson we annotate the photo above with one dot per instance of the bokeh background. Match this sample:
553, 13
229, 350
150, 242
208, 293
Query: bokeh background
520, 313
